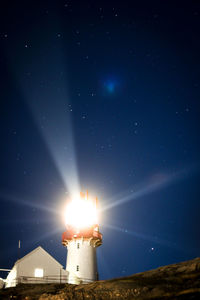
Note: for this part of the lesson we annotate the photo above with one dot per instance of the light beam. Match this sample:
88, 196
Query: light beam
151, 185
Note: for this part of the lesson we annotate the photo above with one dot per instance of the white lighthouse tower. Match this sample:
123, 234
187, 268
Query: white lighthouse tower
81, 238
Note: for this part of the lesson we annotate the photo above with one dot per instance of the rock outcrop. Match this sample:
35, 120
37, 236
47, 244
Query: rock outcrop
179, 281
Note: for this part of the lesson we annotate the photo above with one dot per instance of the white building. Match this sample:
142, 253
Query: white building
38, 266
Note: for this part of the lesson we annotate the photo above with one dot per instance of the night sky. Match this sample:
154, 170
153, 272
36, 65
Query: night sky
104, 96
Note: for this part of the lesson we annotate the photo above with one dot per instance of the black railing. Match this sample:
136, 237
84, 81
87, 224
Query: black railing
48, 279
45, 279
38, 280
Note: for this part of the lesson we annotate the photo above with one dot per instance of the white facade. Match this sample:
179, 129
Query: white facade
38, 266
81, 261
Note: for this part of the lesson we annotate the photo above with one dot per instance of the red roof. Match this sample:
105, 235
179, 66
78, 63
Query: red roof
86, 233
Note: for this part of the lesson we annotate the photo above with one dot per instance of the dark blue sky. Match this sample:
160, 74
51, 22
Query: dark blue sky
107, 92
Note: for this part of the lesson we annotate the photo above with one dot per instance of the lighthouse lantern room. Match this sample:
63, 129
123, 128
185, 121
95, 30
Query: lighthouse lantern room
81, 238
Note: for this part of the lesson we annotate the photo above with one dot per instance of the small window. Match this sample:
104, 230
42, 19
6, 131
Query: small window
77, 268
39, 272
78, 245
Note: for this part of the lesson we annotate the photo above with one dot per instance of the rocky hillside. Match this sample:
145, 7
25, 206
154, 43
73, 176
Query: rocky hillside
179, 281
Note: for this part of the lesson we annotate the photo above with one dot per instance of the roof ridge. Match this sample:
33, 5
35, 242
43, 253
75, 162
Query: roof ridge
34, 250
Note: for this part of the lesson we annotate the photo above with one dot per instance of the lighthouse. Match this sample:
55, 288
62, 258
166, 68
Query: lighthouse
81, 238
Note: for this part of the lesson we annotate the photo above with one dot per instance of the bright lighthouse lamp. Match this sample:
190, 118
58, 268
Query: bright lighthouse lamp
81, 213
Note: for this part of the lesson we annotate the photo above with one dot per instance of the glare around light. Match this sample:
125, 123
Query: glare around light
81, 213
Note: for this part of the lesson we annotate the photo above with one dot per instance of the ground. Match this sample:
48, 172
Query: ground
179, 281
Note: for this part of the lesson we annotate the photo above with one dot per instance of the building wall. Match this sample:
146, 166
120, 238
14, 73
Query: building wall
81, 261
2, 283
11, 279
38, 259
24, 269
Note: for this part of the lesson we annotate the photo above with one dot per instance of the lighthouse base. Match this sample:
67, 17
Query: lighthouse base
72, 279
81, 261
